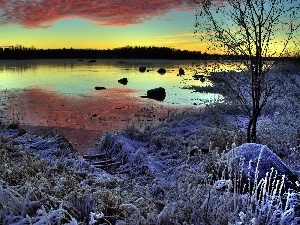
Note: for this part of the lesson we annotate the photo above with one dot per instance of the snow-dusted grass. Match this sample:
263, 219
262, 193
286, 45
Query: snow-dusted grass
189, 188
45, 182
172, 173
170, 179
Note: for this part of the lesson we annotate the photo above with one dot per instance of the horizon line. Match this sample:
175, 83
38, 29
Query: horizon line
132, 46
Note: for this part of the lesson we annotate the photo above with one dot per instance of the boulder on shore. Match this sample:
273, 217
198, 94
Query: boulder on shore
157, 94
162, 71
253, 163
123, 81
100, 88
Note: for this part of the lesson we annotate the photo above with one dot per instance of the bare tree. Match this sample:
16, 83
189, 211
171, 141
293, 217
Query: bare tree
255, 30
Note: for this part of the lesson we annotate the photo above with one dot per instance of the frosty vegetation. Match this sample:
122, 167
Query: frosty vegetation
172, 173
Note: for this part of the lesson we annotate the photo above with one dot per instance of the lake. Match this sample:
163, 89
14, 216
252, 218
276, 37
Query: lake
60, 95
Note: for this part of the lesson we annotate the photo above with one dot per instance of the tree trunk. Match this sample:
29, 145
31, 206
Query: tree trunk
249, 128
251, 132
255, 95
253, 137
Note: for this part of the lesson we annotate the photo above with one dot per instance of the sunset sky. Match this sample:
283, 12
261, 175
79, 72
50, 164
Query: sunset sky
98, 24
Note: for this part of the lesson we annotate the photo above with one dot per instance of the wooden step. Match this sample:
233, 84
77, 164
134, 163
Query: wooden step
104, 162
108, 165
96, 156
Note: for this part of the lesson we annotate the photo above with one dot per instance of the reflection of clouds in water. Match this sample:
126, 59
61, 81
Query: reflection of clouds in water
82, 119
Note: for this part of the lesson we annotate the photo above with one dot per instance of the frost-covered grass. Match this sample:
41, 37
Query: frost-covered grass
172, 173
43, 181
169, 163
173, 177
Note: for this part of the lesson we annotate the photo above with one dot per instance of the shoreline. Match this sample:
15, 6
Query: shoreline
82, 120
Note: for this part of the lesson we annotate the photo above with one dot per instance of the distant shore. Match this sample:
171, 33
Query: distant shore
128, 52
117, 53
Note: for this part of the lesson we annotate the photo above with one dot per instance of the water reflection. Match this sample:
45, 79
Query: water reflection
61, 95
80, 77
82, 119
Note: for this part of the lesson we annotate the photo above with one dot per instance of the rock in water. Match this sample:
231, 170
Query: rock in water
181, 71
100, 88
254, 161
161, 71
142, 69
123, 81
157, 94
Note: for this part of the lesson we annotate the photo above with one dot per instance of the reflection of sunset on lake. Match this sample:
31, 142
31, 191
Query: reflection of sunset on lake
82, 119
72, 77
60, 95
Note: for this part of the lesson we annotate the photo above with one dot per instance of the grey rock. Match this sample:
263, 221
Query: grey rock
252, 162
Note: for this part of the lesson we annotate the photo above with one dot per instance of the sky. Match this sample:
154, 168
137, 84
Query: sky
98, 24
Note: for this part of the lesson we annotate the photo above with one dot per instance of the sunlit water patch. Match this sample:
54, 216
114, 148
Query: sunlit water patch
74, 77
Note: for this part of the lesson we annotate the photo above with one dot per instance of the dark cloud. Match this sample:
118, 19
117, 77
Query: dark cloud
41, 13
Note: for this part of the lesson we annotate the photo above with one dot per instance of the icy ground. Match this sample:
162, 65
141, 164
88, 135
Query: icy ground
167, 176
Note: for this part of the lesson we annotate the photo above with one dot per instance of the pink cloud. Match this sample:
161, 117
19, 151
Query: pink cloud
41, 13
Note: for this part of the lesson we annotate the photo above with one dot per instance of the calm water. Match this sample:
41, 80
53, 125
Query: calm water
73, 77
61, 95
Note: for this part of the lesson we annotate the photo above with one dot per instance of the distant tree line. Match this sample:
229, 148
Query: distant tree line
128, 52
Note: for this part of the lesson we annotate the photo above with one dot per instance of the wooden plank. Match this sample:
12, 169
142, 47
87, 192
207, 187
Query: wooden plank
122, 172
108, 165
94, 156
104, 162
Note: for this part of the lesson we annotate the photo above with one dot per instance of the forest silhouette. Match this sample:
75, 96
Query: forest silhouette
128, 52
